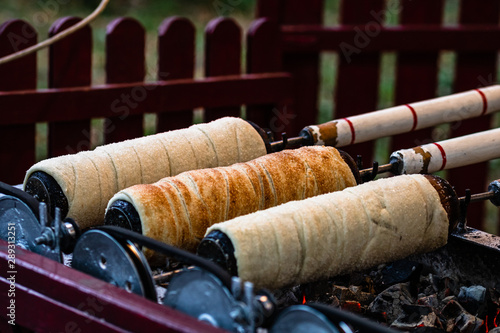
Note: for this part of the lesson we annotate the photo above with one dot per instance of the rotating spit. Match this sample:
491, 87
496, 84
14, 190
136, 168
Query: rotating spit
397, 120
442, 155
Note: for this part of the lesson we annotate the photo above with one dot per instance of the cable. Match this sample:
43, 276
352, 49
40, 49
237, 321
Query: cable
171, 251
12, 191
57, 37
362, 325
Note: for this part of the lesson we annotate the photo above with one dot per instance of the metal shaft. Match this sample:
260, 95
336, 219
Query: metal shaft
285, 142
479, 197
375, 170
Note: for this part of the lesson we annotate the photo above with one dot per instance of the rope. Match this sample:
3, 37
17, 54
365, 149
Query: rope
57, 37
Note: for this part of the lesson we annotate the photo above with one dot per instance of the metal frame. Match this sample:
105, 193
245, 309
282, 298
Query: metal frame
47, 291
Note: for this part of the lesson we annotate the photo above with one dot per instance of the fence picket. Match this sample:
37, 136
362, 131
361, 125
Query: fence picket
176, 60
358, 74
264, 56
222, 57
472, 68
125, 62
417, 72
304, 67
70, 62
17, 151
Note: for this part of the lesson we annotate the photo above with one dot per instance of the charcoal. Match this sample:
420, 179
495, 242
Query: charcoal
468, 323
493, 297
365, 298
415, 316
319, 292
473, 293
446, 300
353, 293
457, 317
391, 300
335, 302
430, 301
445, 286
357, 279
287, 297
313, 290
398, 272
421, 310
473, 299
344, 293
427, 285
425, 329
414, 320
355, 289
452, 309
352, 306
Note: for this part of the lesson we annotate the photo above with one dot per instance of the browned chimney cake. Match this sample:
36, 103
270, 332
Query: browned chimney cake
178, 210
336, 233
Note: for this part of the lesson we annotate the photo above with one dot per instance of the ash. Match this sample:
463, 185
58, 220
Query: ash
405, 296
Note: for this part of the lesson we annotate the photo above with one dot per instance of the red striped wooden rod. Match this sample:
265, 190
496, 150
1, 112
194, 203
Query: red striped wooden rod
448, 154
401, 119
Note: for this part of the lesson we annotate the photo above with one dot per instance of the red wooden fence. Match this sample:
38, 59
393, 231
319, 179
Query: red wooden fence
71, 102
280, 89
18, 140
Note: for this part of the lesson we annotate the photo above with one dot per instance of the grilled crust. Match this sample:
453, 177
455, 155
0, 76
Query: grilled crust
209, 196
448, 197
336, 233
89, 179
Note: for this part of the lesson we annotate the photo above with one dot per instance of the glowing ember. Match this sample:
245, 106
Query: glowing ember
352, 306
